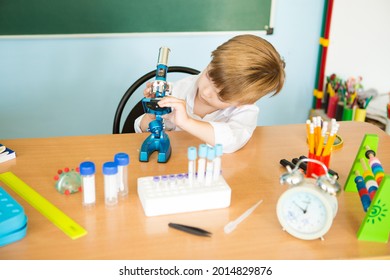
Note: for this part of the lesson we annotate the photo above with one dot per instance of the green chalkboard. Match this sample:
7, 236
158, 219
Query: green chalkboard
52, 17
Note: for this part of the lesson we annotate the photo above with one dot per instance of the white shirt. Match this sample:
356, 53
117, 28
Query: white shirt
233, 126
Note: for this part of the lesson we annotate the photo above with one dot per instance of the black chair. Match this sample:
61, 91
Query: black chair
128, 126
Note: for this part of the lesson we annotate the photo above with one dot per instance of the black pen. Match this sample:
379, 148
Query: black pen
285, 163
302, 165
190, 229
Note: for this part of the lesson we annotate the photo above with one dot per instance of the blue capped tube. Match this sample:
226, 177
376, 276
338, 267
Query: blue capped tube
122, 160
191, 154
110, 172
210, 165
217, 161
87, 173
202, 153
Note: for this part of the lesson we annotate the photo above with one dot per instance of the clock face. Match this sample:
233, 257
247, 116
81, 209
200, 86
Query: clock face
304, 212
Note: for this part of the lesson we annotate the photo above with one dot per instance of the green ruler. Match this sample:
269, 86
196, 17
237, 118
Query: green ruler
47, 209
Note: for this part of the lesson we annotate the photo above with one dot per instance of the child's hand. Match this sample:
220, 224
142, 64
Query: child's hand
148, 90
147, 118
179, 113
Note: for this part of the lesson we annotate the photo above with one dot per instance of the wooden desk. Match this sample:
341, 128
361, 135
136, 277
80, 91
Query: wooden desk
126, 233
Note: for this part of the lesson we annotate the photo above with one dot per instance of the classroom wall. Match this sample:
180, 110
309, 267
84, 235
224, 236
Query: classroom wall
359, 42
72, 85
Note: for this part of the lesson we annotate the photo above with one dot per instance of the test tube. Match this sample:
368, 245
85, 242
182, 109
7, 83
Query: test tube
110, 173
164, 180
122, 160
172, 180
191, 164
87, 173
156, 181
217, 161
210, 165
180, 179
202, 153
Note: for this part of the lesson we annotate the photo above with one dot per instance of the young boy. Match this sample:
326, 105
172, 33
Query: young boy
218, 105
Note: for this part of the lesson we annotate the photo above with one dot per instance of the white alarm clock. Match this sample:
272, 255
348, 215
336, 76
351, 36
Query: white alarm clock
307, 209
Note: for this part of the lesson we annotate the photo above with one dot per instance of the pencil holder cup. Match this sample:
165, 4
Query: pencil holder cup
360, 114
339, 111
314, 169
332, 106
347, 114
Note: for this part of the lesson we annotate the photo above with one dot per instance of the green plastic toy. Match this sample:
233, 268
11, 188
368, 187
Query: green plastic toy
376, 224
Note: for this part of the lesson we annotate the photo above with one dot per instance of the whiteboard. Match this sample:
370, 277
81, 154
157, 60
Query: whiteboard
359, 42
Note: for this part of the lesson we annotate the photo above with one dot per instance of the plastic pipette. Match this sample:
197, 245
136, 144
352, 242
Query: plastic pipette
233, 224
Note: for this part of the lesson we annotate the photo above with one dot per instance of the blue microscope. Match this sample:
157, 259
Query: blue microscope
158, 140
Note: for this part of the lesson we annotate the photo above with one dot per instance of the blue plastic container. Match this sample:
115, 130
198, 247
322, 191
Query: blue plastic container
13, 221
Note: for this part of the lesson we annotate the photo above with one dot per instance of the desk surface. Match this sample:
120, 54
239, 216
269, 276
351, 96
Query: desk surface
126, 233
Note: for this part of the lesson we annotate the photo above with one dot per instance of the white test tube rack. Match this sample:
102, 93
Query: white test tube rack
181, 194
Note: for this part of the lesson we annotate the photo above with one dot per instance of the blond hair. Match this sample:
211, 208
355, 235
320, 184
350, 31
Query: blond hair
246, 68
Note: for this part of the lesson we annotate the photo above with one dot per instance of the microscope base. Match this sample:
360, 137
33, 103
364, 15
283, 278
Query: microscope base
152, 144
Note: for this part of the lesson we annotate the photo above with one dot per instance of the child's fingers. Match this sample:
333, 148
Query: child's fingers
170, 101
148, 90
151, 116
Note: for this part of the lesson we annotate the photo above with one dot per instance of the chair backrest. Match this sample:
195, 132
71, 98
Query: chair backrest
128, 126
